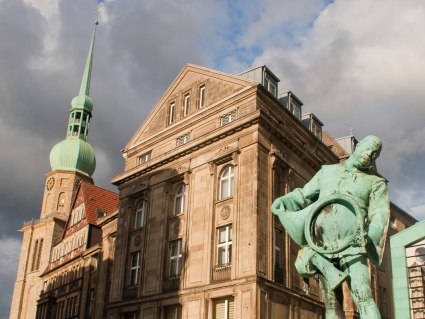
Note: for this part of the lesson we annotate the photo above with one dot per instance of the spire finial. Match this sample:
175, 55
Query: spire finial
85, 82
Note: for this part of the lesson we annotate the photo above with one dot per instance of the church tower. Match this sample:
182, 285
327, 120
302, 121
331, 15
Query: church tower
72, 161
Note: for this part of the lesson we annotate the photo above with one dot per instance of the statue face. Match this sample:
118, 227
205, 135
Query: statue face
366, 152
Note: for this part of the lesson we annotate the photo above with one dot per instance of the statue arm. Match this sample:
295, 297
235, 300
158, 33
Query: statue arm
299, 198
378, 216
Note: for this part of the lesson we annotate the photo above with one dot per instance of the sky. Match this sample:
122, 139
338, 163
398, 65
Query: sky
354, 64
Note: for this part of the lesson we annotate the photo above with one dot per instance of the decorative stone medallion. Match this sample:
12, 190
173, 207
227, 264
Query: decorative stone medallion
137, 240
177, 228
225, 212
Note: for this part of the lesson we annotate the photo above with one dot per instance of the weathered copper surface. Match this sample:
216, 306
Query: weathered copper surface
340, 218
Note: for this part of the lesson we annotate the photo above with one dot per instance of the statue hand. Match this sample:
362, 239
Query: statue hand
278, 207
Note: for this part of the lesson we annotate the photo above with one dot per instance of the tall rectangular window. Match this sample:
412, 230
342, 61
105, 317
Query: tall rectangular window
171, 113
134, 268
202, 96
279, 256
224, 245
224, 308
279, 249
173, 312
176, 258
139, 216
186, 104
226, 182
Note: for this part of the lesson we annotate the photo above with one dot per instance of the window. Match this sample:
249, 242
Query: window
296, 111
171, 113
279, 248
186, 104
173, 312
61, 202
226, 182
134, 268
91, 298
279, 256
34, 256
202, 96
40, 248
129, 315
176, 258
270, 85
315, 129
139, 216
272, 89
224, 308
179, 200
145, 157
224, 246
227, 118
181, 140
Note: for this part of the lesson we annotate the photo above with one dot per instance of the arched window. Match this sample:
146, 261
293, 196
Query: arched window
226, 182
61, 202
179, 200
139, 216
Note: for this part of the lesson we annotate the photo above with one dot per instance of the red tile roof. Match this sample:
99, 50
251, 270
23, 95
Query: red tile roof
96, 198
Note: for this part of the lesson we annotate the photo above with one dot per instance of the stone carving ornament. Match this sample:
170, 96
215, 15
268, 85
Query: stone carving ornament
225, 212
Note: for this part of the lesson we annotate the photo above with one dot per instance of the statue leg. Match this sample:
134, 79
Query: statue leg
333, 299
359, 284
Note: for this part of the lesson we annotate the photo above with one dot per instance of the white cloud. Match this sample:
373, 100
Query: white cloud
360, 65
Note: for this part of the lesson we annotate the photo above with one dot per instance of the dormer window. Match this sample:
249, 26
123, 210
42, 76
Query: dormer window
270, 86
186, 104
145, 157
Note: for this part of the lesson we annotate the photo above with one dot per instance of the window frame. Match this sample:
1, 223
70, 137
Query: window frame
229, 179
140, 211
201, 96
227, 244
145, 157
134, 269
179, 209
175, 259
186, 104
171, 112
229, 303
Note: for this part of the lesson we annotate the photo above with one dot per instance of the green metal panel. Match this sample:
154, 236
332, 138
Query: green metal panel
399, 242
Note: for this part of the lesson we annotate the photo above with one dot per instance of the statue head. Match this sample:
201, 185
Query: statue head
366, 152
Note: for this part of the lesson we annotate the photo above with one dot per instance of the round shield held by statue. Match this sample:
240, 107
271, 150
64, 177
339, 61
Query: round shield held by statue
333, 224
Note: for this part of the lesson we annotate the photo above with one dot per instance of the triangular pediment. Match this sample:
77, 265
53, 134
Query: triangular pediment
218, 86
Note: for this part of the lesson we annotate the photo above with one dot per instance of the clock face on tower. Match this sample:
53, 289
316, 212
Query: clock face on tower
50, 183
77, 182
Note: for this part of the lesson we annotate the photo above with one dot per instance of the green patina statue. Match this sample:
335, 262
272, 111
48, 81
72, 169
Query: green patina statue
340, 219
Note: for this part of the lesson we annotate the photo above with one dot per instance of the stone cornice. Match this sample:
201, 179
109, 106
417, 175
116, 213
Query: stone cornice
193, 146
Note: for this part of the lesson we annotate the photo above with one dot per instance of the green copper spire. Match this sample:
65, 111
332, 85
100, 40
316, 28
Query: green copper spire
74, 153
